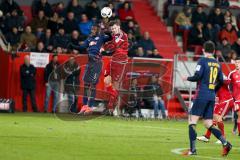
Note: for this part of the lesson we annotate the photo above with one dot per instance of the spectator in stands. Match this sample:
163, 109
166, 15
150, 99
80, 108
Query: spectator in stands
210, 33
146, 43
234, 55
47, 40
132, 44
72, 69
224, 49
13, 38
229, 18
28, 40
92, 10
75, 7
156, 54
14, 20
70, 23
221, 3
42, 5
131, 26
236, 47
52, 79
75, 41
139, 52
28, 83
125, 12
216, 19
196, 36
61, 40
114, 13
229, 33
40, 48
183, 19
55, 22
179, 2
199, 16
60, 9
155, 92
7, 6
85, 25
39, 23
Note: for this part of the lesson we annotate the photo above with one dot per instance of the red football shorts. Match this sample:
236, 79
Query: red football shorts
223, 108
116, 67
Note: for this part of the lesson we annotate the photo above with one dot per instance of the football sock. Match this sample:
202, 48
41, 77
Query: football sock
235, 125
217, 133
208, 132
86, 90
92, 96
192, 137
238, 125
221, 127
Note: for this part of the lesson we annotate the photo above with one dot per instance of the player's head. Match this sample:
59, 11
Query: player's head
208, 48
114, 27
237, 63
94, 30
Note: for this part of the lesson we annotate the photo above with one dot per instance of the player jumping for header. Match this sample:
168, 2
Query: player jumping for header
209, 76
114, 72
93, 44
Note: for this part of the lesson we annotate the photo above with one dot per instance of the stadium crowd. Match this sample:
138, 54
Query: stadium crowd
55, 28
219, 26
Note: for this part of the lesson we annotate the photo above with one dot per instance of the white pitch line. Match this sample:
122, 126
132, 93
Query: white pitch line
179, 152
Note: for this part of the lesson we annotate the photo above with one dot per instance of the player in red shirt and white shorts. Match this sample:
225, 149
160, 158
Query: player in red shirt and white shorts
222, 107
115, 70
234, 78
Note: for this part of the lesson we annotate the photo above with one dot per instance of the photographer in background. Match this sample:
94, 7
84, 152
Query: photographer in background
72, 83
52, 80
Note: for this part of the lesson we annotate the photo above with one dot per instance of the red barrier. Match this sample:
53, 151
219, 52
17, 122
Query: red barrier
10, 85
10, 77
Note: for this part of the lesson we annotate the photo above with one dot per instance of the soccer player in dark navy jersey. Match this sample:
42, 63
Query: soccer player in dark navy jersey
209, 78
94, 45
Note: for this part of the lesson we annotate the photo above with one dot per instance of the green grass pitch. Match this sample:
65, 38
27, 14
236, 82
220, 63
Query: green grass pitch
44, 137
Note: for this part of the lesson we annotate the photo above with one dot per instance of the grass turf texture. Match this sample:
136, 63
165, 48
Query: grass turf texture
43, 136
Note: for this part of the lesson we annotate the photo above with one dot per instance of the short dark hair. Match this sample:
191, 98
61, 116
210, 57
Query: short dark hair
112, 23
209, 47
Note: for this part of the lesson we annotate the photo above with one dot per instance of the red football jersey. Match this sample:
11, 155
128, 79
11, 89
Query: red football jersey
224, 93
234, 78
120, 42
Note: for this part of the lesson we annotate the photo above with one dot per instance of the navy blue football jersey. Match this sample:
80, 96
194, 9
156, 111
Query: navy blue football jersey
208, 75
94, 45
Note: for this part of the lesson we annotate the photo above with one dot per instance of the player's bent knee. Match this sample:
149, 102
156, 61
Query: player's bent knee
217, 118
193, 119
208, 123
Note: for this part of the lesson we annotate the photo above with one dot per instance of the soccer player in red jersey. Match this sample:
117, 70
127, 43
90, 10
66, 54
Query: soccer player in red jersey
114, 72
234, 78
224, 105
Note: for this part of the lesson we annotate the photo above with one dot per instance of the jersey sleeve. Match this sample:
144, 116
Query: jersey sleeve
220, 81
198, 72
